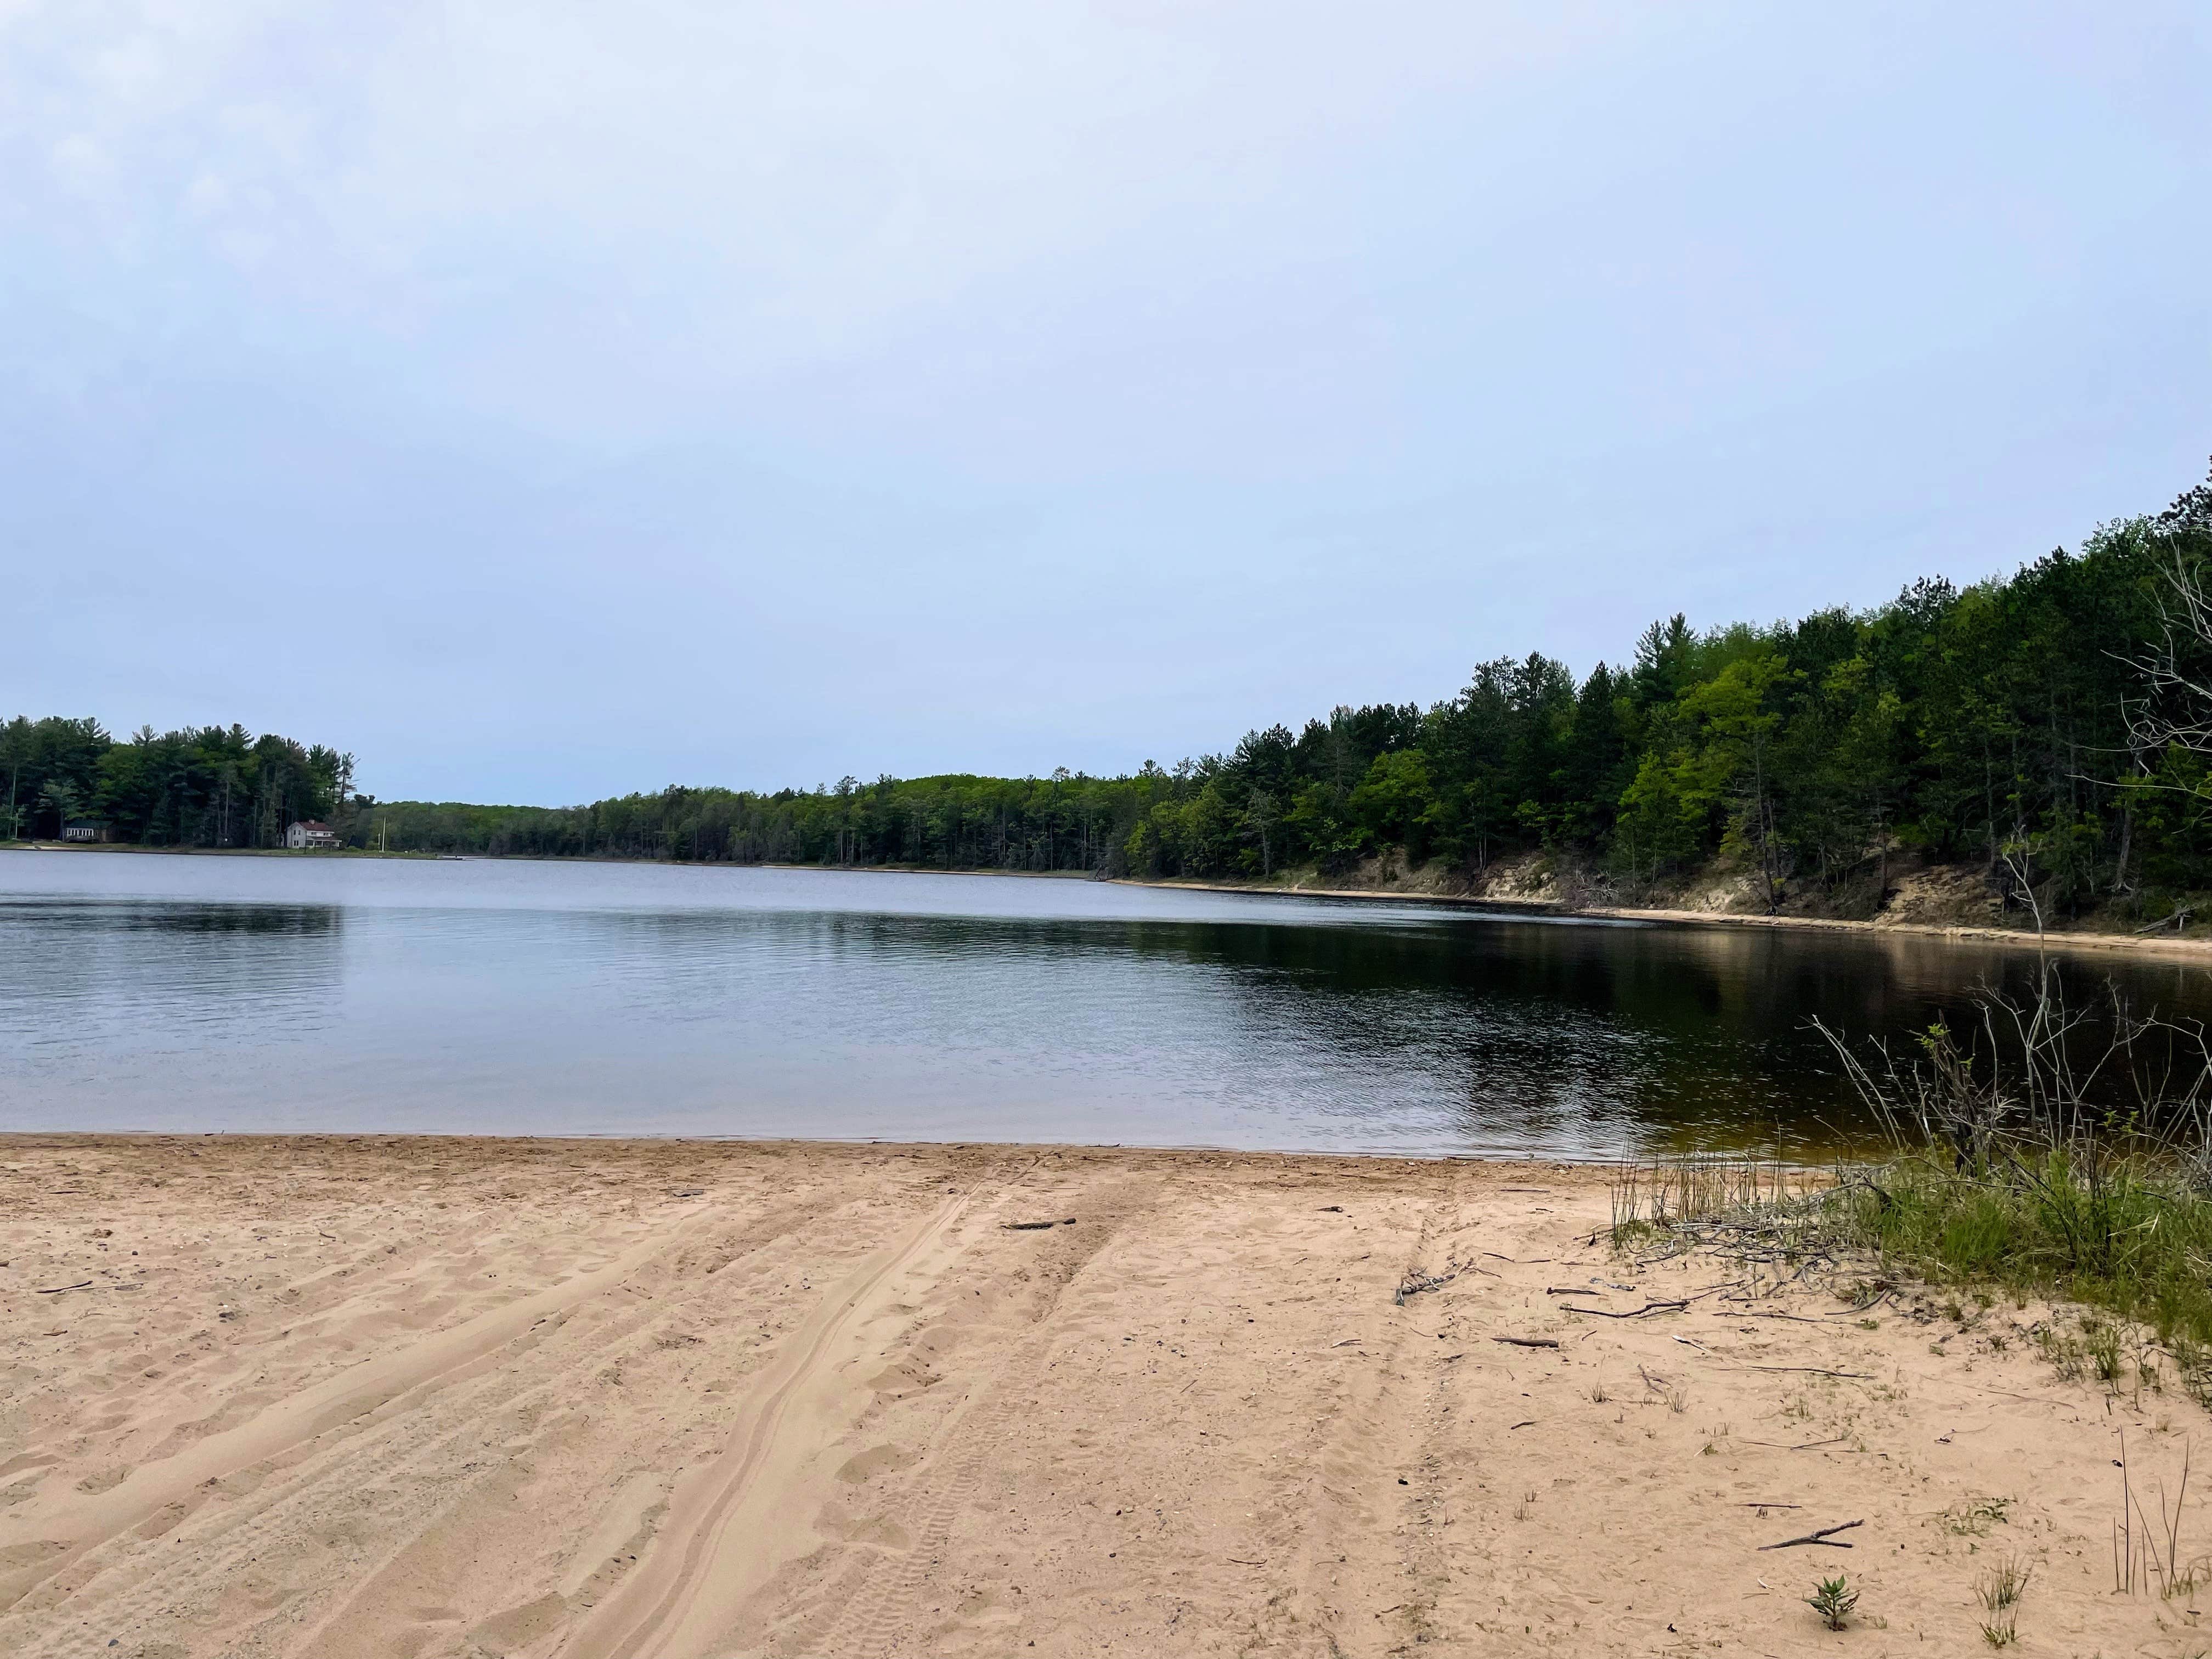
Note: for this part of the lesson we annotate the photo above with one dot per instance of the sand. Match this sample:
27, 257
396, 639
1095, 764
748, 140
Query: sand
398, 1397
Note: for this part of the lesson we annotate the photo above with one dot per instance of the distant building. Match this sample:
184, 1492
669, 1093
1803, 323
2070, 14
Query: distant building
310, 833
86, 829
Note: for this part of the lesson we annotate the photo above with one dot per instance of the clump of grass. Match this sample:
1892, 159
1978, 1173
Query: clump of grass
1833, 1599
1651, 1197
2019, 1165
2101, 1341
1974, 1519
2051, 1151
2127, 1236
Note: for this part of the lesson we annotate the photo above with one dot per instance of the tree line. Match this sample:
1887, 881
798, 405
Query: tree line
2011, 725
215, 787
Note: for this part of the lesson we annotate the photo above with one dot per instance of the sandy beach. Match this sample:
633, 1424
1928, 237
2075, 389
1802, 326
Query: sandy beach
402, 1398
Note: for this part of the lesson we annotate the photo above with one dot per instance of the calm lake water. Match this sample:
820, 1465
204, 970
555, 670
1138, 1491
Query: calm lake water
194, 993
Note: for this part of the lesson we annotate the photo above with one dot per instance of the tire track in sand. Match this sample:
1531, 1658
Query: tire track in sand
713, 1552
879, 1611
83, 1523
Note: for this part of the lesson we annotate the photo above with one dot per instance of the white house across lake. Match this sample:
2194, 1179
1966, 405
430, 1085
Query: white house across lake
309, 833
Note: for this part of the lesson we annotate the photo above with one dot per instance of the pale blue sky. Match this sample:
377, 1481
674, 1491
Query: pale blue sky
549, 400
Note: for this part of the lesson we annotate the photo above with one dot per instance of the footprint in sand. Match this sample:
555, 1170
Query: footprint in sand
883, 1532
877, 1460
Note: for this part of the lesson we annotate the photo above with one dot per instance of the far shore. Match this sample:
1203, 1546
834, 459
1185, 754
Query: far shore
371, 1396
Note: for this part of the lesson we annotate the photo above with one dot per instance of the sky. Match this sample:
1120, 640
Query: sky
545, 401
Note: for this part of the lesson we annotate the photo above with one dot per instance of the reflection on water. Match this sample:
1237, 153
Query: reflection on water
248, 993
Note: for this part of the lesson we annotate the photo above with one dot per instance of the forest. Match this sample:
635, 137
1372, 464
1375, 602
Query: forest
215, 787
2038, 723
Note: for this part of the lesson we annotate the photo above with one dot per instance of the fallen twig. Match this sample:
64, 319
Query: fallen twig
1414, 1284
1781, 1445
1636, 1313
1826, 1535
55, 1290
1525, 1341
1800, 1318
1812, 1370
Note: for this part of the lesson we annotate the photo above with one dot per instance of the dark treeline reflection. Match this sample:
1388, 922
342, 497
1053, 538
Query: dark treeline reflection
70, 918
83, 983
1681, 1034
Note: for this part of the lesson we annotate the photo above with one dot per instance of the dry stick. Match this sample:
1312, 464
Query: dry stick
1636, 1312
55, 1290
1800, 1318
1823, 1536
1525, 1341
1784, 1445
1815, 1370
1414, 1284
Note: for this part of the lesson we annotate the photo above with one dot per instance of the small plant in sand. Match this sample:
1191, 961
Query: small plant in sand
2101, 1342
1973, 1519
1833, 1599
2000, 1589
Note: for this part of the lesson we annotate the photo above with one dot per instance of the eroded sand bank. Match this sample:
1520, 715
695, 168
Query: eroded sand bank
392, 1397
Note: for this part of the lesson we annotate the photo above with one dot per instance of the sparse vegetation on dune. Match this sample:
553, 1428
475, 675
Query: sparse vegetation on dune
2053, 1150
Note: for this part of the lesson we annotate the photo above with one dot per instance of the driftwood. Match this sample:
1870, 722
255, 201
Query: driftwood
1826, 1535
2178, 920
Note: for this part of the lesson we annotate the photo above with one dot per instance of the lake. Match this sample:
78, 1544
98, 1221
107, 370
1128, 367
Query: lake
250, 993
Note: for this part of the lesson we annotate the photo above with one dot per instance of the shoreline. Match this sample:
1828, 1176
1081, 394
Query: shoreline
420, 1398
2008, 938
